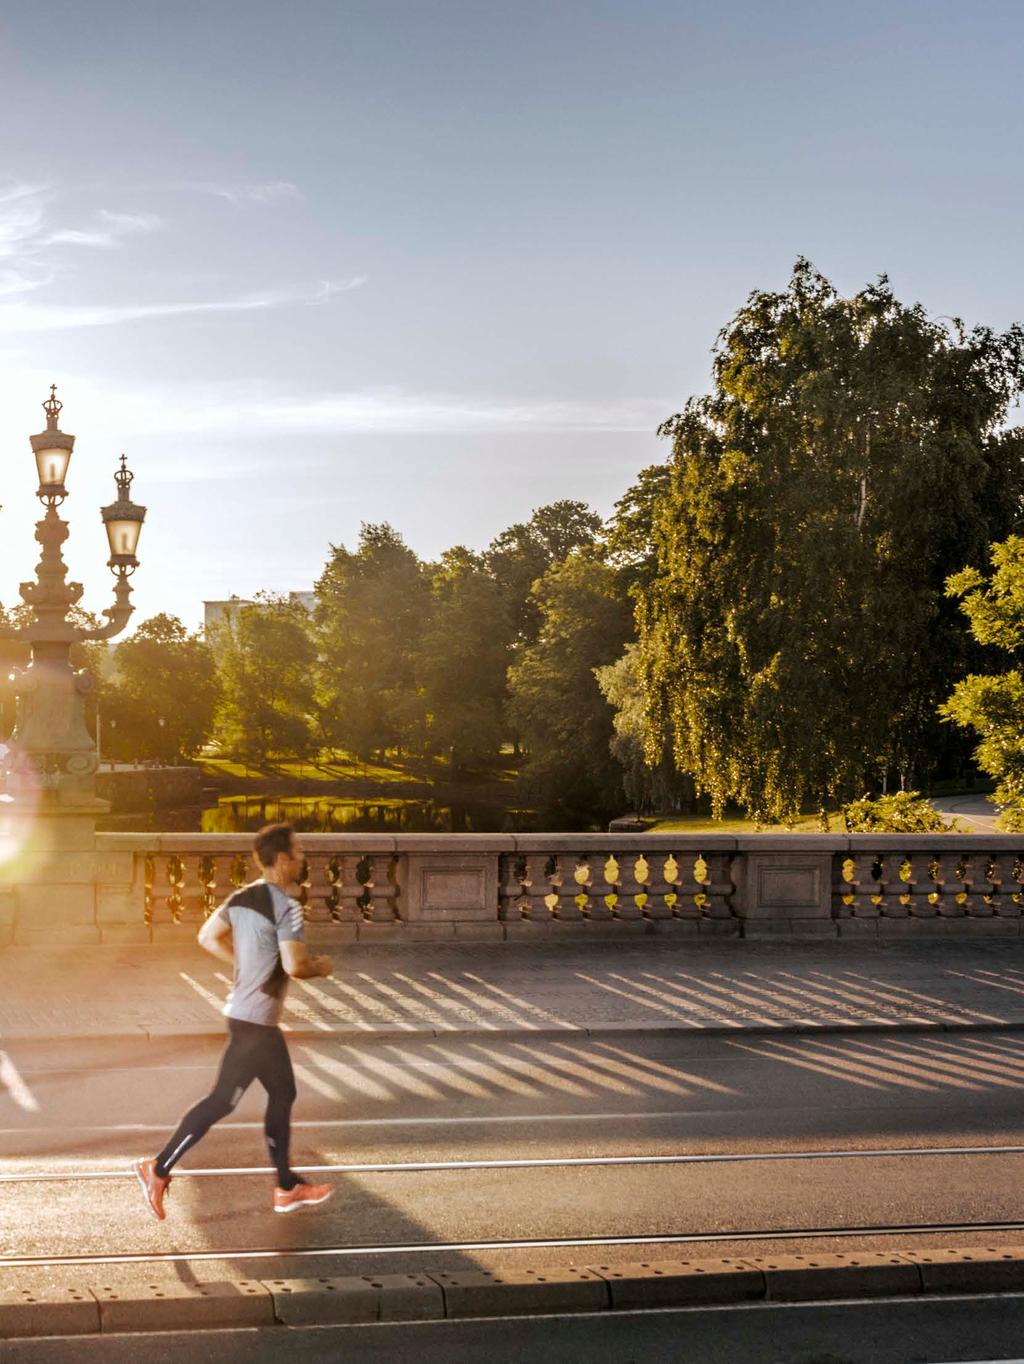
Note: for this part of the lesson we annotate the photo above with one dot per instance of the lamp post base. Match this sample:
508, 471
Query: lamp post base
49, 874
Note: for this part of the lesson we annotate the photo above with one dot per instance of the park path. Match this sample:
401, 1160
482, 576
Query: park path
978, 814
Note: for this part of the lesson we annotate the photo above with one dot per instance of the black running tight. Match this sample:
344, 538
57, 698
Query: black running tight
254, 1052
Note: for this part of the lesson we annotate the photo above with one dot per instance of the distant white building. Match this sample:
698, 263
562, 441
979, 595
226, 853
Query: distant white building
215, 611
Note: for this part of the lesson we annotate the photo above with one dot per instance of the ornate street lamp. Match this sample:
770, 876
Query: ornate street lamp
52, 751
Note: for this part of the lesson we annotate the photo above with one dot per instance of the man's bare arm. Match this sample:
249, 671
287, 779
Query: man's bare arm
215, 937
300, 963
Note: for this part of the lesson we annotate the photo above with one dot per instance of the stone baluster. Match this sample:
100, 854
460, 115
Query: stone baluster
240, 871
892, 887
222, 885
151, 899
300, 890
511, 895
350, 890
321, 889
382, 908
194, 891
866, 888
332, 886
597, 888
605, 883
658, 886
842, 886
630, 886
693, 876
718, 890
949, 886
207, 875
977, 886
920, 888
209, 881
567, 888
174, 878
1006, 886
537, 889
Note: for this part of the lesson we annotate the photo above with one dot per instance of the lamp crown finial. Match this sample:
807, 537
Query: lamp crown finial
123, 478
52, 408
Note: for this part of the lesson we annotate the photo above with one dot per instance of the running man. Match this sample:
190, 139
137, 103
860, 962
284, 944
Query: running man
259, 929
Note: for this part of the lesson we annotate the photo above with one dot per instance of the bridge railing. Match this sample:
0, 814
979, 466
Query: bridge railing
426, 886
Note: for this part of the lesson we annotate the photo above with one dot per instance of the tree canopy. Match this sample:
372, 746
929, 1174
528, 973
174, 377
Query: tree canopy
557, 707
992, 704
795, 640
464, 656
372, 603
265, 661
524, 552
160, 703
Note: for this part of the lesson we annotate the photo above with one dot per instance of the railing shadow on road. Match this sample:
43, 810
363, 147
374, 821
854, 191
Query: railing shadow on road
507, 1097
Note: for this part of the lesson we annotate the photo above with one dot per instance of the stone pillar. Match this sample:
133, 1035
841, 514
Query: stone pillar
784, 885
452, 891
50, 823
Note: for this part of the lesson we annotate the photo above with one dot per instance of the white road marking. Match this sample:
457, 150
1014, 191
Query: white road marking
536, 1243
482, 1119
16, 1086
548, 1162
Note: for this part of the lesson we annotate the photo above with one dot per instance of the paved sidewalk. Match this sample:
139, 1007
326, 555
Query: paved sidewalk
161, 992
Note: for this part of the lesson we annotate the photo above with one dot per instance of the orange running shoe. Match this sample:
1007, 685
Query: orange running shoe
153, 1187
302, 1196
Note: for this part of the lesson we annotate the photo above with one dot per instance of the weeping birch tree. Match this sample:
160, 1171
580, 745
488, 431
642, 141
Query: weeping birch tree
795, 639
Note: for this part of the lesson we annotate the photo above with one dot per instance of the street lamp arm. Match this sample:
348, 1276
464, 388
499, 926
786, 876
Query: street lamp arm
117, 615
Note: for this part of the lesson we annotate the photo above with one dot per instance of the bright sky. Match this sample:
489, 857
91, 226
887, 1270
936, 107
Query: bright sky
438, 263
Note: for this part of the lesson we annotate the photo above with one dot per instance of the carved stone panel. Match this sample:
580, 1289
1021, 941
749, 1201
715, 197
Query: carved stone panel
779, 886
448, 888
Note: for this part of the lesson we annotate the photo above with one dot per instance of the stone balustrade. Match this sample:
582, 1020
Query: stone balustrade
159, 887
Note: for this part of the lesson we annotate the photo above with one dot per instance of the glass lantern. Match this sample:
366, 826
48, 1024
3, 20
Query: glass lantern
123, 521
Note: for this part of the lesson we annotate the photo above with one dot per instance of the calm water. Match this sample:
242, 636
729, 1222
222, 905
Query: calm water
324, 814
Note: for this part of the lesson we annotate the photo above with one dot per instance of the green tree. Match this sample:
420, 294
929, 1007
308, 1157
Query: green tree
464, 656
372, 604
650, 790
992, 705
795, 640
524, 552
556, 704
630, 542
160, 703
265, 662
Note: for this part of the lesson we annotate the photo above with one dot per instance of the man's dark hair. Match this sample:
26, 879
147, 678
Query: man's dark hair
271, 840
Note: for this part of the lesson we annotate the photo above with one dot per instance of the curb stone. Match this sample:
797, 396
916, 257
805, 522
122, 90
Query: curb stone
55, 1312
168, 1306
88, 1310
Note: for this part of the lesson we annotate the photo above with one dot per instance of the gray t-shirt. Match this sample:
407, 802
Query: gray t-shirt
261, 916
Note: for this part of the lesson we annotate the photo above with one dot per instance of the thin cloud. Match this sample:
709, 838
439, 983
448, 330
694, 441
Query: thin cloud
399, 412
23, 279
112, 231
22, 317
22, 212
203, 413
258, 192
32, 256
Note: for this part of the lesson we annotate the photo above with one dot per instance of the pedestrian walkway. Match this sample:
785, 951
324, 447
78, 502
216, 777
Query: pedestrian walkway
160, 992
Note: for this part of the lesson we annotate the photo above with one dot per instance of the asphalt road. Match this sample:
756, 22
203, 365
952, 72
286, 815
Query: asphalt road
72, 1118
